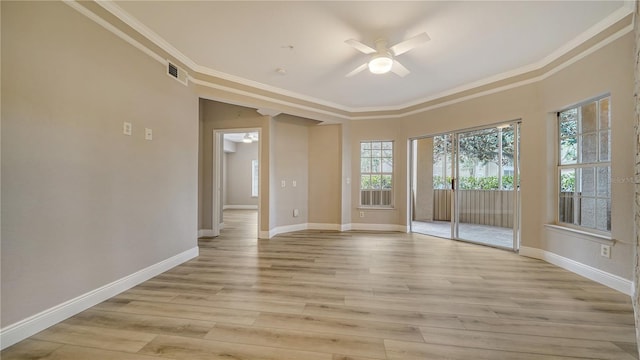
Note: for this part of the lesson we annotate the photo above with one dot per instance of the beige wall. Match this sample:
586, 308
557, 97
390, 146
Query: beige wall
219, 116
380, 130
290, 162
607, 70
325, 173
82, 204
238, 175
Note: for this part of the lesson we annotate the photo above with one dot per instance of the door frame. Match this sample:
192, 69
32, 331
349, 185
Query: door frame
216, 191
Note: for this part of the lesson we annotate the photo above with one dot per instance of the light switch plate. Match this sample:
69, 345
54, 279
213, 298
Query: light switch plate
126, 128
148, 134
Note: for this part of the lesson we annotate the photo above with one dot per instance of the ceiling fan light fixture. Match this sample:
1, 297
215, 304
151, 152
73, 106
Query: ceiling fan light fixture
380, 64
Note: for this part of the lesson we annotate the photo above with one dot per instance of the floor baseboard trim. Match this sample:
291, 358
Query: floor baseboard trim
23, 329
613, 281
240, 207
335, 227
345, 227
323, 226
205, 233
286, 229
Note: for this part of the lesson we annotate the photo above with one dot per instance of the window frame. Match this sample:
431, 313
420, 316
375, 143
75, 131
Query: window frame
578, 165
391, 190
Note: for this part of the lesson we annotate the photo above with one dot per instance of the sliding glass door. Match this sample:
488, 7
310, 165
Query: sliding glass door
486, 198
431, 197
465, 186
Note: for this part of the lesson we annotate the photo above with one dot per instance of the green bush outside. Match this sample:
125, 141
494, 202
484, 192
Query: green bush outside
474, 183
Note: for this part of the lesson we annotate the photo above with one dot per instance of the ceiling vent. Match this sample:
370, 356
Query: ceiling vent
177, 73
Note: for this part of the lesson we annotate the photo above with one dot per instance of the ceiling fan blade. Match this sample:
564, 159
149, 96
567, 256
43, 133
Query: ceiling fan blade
403, 47
357, 70
399, 69
360, 46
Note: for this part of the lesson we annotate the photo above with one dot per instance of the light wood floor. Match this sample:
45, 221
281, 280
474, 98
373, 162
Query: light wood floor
355, 295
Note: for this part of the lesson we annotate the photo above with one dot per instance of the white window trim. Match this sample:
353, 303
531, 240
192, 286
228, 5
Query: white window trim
391, 206
582, 231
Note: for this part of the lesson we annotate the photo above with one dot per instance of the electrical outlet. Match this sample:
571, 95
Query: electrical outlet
126, 128
294, 183
605, 251
296, 212
361, 213
283, 183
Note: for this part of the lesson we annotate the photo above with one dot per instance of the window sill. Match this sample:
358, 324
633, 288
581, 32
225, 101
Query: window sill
581, 234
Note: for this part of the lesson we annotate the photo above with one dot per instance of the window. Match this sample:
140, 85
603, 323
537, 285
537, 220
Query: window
376, 173
584, 165
254, 178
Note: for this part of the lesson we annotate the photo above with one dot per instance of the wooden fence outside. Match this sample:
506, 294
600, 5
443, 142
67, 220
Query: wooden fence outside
484, 207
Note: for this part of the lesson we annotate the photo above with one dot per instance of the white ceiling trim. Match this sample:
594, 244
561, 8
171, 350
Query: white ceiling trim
266, 98
580, 39
84, 11
100, 21
121, 14
108, 5
145, 31
613, 18
627, 29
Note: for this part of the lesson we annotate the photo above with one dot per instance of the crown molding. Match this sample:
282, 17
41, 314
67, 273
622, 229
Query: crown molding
266, 98
127, 18
598, 28
337, 111
553, 70
105, 24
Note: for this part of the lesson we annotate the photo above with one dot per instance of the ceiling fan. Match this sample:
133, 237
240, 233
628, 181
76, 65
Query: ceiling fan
383, 58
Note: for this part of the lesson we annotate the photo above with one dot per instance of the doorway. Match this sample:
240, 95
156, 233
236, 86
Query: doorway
236, 179
465, 185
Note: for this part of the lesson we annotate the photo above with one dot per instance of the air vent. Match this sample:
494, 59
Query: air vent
177, 73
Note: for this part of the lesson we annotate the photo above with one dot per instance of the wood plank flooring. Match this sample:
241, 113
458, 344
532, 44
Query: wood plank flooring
355, 295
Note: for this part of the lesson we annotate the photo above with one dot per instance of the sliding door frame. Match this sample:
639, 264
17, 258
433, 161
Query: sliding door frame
455, 170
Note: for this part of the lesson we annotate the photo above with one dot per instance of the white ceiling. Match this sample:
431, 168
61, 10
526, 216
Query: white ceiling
471, 42
238, 137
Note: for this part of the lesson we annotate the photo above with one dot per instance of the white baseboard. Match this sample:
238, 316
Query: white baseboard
205, 233
324, 226
21, 330
345, 227
613, 281
335, 227
240, 207
287, 228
